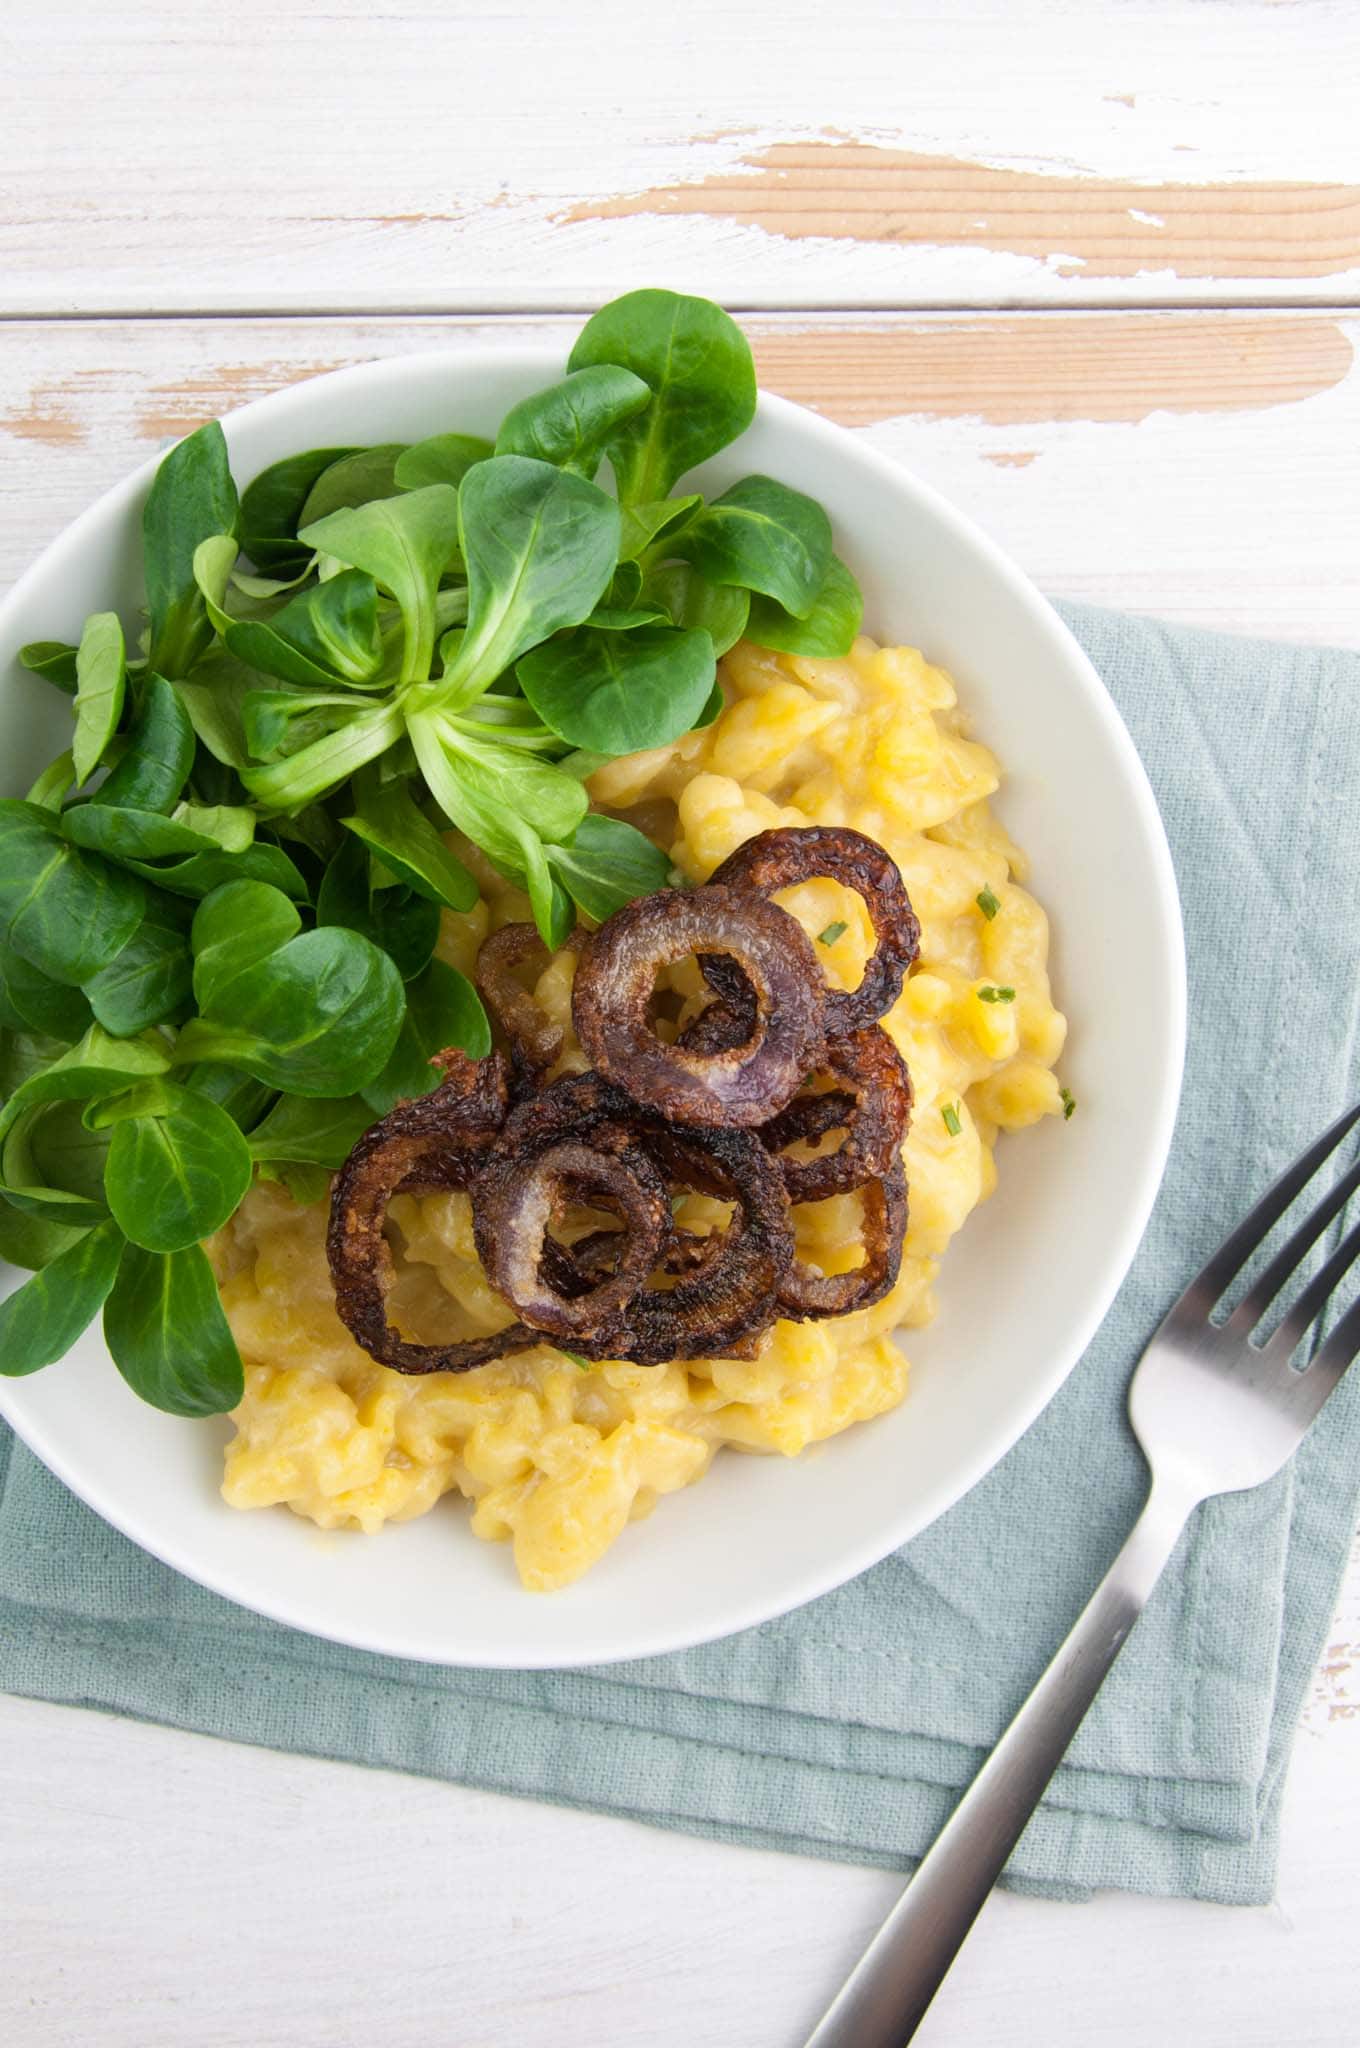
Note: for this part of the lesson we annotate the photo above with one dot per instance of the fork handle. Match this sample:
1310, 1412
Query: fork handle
884, 2000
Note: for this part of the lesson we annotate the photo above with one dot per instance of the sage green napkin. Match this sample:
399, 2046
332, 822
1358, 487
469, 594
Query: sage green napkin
845, 1730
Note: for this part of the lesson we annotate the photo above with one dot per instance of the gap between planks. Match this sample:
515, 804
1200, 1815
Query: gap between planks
569, 307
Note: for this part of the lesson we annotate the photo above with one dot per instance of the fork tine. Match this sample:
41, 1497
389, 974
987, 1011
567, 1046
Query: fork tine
1311, 1388
1233, 1254
1315, 1295
1287, 1260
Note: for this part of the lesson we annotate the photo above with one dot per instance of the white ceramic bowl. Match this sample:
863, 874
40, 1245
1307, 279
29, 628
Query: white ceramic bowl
1024, 1286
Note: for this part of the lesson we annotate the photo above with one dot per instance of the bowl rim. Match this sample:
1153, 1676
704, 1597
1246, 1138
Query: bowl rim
1162, 1098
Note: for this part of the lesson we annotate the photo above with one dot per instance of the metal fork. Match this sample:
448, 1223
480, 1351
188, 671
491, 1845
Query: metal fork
1215, 1412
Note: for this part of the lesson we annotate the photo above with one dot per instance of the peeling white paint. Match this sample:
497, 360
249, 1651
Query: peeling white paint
467, 211
1151, 220
1271, 495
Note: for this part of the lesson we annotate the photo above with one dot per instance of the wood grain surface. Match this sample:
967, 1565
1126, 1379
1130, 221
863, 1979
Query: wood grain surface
429, 155
1192, 464
1103, 228
1091, 269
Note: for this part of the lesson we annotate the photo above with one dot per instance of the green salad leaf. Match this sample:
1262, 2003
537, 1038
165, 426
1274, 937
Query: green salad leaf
442, 459
762, 536
49, 791
571, 423
326, 634
363, 476
101, 674
442, 1009
124, 834
649, 525
53, 660
358, 736
65, 911
193, 497
405, 544
271, 509
32, 1241
318, 1016
42, 1319
176, 1171
404, 840
159, 753
150, 980
827, 630
31, 1001
401, 922
308, 1130
607, 864
618, 692
693, 602
164, 1325
235, 926
696, 362
540, 546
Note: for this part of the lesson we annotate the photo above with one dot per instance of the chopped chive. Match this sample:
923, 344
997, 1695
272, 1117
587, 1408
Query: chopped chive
996, 995
988, 904
582, 1364
950, 1113
1069, 1102
832, 932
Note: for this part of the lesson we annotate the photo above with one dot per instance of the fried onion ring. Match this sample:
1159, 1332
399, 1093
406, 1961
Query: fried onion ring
573, 1268
725, 1291
735, 1085
436, 1141
798, 853
714, 1113
871, 1102
535, 1041
731, 1298
804, 1294
518, 1194
725, 1023
572, 1106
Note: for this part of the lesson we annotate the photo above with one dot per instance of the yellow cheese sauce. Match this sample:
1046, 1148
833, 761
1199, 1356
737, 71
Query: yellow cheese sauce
557, 1459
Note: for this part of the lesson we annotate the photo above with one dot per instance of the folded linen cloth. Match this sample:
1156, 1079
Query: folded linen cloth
846, 1729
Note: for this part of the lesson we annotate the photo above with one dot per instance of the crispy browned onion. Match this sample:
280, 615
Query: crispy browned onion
724, 1023
725, 1284
797, 853
436, 1141
519, 1193
804, 1294
535, 1041
870, 1101
731, 1297
575, 1108
715, 1113
572, 1268
730, 1085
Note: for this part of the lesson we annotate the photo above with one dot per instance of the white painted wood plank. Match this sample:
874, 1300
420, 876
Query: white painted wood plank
425, 155
166, 1891
1244, 519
